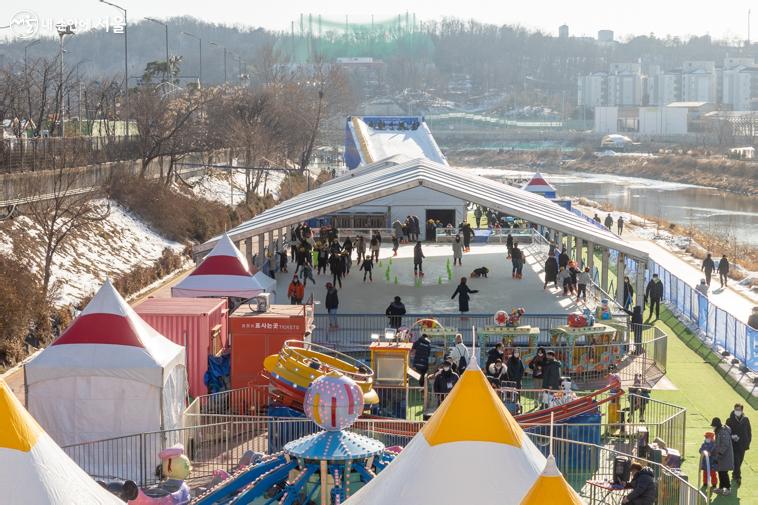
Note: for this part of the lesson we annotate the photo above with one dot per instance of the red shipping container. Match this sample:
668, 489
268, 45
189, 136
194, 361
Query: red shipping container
199, 324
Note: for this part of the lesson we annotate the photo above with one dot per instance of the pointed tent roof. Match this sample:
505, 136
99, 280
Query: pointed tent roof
552, 488
33, 469
111, 339
538, 184
224, 272
473, 439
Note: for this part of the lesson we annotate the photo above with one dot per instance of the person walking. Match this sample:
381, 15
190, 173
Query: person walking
332, 303
628, 293
608, 221
654, 295
335, 266
596, 218
517, 260
374, 245
564, 280
367, 266
723, 454
708, 267
394, 312
742, 435
460, 354
467, 234
723, 269
478, 217
620, 225
509, 245
583, 280
551, 271
515, 368
418, 260
702, 288
421, 349
296, 291
463, 292
644, 490
360, 249
457, 251
563, 258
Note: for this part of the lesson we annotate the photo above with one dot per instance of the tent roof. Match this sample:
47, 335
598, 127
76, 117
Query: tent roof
108, 339
33, 469
538, 184
552, 488
370, 185
224, 272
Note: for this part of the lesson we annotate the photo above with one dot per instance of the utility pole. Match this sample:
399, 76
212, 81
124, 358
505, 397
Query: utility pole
224, 47
26, 76
126, 64
200, 59
165, 26
62, 32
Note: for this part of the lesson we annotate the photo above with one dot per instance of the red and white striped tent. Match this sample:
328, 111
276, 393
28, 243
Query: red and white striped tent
109, 374
538, 184
223, 273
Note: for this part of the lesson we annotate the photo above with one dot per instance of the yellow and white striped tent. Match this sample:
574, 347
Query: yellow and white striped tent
33, 469
471, 451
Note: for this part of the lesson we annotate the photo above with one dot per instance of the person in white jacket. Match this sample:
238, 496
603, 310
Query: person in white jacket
460, 354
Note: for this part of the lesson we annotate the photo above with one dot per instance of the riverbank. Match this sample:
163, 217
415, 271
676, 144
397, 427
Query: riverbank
698, 168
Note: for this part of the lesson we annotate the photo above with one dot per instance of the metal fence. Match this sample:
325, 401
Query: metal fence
222, 445
45, 153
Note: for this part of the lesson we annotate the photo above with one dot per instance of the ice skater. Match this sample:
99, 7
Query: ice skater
418, 260
457, 251
463, 292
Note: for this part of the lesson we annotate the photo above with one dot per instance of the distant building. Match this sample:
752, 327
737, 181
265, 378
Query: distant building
563, 31
663, 86
625, 84
593, 90
739, 89
605, 36
699, 81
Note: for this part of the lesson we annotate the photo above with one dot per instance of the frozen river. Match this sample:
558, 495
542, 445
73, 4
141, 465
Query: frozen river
709, 209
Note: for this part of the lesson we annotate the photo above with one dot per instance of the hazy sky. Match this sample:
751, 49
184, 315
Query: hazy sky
584, 17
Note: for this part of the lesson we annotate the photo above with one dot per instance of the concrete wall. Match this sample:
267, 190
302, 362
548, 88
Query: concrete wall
606, 120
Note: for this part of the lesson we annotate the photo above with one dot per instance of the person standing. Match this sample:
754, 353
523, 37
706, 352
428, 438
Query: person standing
551, 271
422, 349
367, 266
335, 266
332, 303
537, 362
418, 260
723, 453
445, 380
515, 368
478, 217
460, 354
517, 259
620, 225
463, 291
654, 295
742, 435
394, 312
563, 258
374, 246
360, 249
296, 291
584, 280
551, 372
494, 354
397, 227
395, 245
723, 270
509, 245
467, 234
457, 251
416, 227
708, 267
628, 293
609, 221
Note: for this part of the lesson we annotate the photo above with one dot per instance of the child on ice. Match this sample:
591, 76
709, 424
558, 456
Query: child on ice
367, 266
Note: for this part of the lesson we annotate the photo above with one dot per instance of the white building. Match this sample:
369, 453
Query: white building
739, 89
606, 119
662, 121
592, 90
699, 81
663, 86
625, 84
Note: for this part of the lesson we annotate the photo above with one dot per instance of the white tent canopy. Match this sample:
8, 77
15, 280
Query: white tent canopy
33, 469
389, 179
109, 374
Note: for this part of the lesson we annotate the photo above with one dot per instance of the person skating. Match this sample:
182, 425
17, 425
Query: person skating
467, 233
397, 228
374, 246
457, 251
537, 363
395, 245
346, 262
478, 217
418, 260
654, 295
608, 221
628, 293
460, 354
367, 266
463, 292
347, 249
283, 260
509, 245
394, 312
620, 225
551, 372
551, 271
332, 303
515, 368
335, 266
422, 349
644, 490
322, 258
517, 260
360, 249
307, 273
296, 291
708, 267
583, 280
723, 453
723, 269
742, 435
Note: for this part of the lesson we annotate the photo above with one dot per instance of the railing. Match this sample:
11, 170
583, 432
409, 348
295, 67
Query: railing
46, 153
222, 445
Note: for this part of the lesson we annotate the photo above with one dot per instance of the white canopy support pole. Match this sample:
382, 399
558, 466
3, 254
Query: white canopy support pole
640, 283
591, 255
552, 423
249, 251
579, 251
620, 272
261, 249
605, 264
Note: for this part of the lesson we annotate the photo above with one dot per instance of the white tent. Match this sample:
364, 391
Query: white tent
33, 469
223, 273
109, 374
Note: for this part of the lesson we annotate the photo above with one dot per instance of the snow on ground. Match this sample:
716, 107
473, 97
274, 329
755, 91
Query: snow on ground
228, 187
497, 292
114, 246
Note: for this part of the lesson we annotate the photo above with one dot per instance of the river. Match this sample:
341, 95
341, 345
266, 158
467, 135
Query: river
709, 209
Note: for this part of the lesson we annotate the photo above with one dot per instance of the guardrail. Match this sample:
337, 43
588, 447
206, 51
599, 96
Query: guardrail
44, 153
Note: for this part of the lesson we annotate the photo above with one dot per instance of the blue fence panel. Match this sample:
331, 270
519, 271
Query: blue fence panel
680, 295
712, 321
721, 328
731, 337
752, 342
741, 350
687, 302
702, 313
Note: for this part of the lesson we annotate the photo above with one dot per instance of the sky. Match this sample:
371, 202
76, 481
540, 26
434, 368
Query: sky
727, 19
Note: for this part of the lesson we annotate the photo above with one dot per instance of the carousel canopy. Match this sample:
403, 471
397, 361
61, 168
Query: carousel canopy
552, 488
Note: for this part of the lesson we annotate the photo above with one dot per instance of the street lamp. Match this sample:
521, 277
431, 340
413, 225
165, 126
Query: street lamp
126, 64
219, 45
165, 26
200, 49
63, 30
239, 66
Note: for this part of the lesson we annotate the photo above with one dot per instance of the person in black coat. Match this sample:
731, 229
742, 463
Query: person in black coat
467, 233
742, 435
337, 266
463, 291
708, 267
395, 310
628, 293
515, 368
422, 349
509, 244
563, 258
418, 260
643, 486
551, 271
636, 326
723, 270
497, 373
332, 303
551, 372
654, 295
494, 354
537, 363
445, 379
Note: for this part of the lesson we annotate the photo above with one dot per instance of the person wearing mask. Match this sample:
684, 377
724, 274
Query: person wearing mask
708, 267
537, 363
418, 260
583, 280
296, 291
394, 312
551, 372
564, 280
445, 379
710, 477
332, 303
497, 373
517, 258
644, 490
654, 295
742, 435
723, 269
620, 225
551, 271
752, 321
494, 354
457, 250
422, 349
515, 368
723, 453
460, 354
464, 291
628, 293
